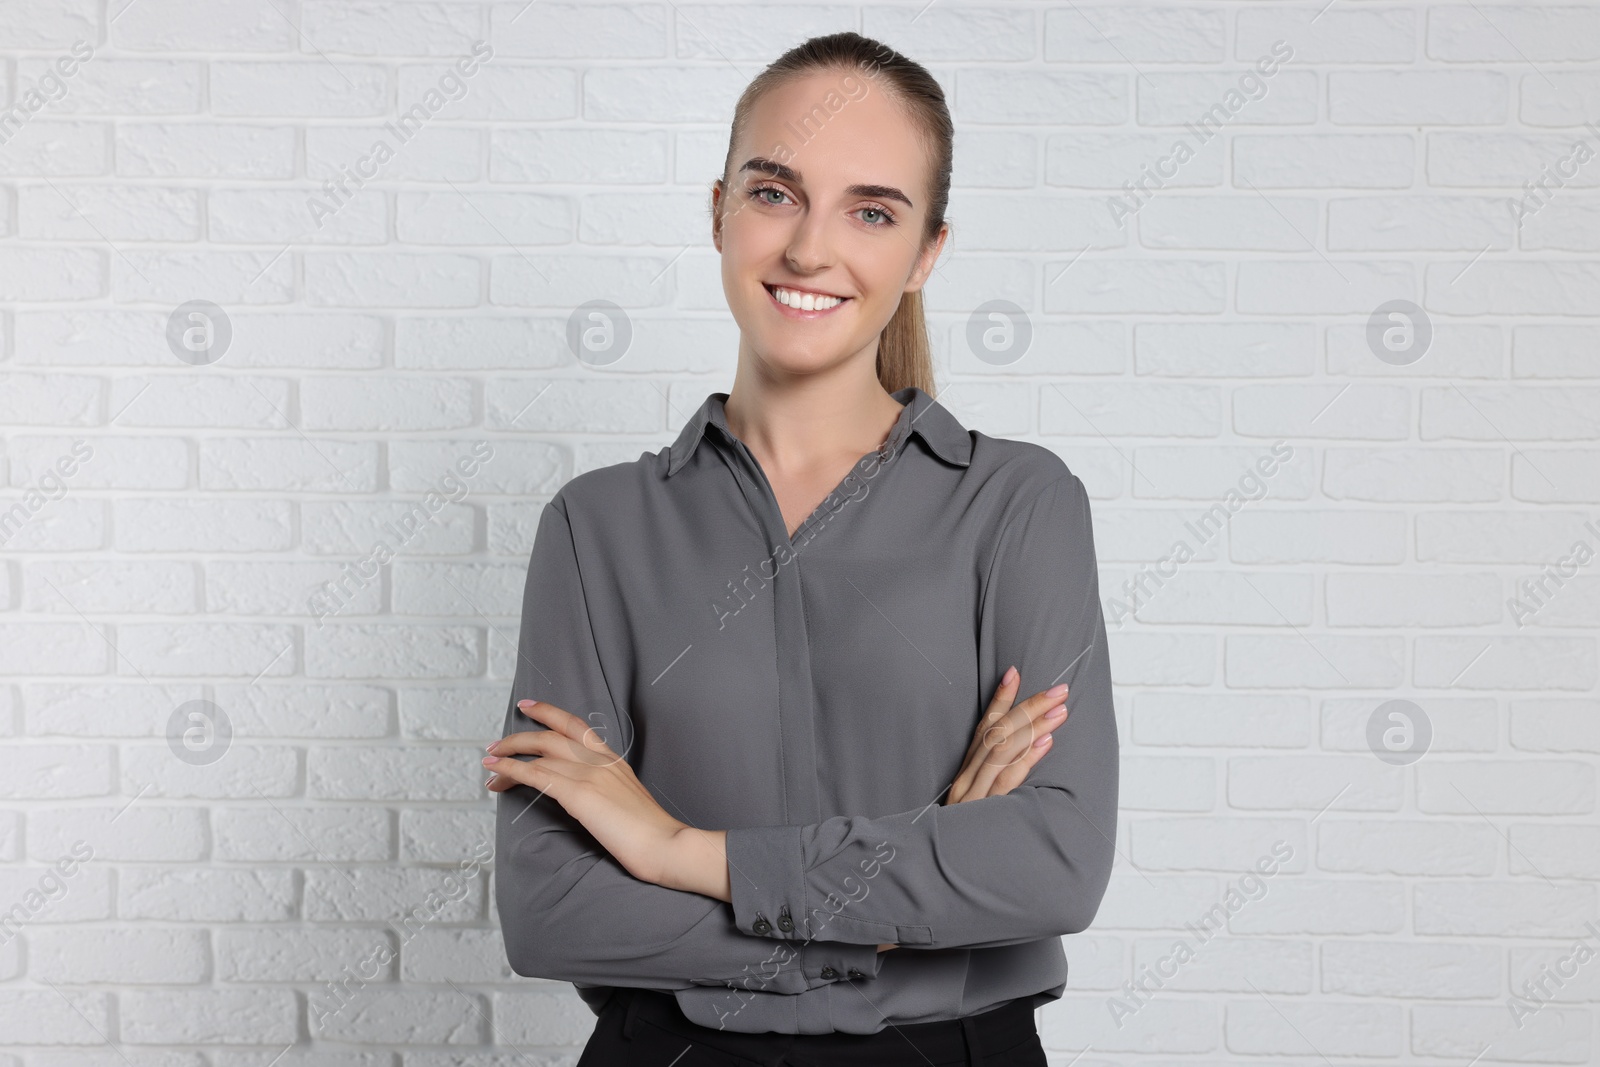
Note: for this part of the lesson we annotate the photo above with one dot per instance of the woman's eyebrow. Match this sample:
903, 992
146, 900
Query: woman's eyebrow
775, 169
878, 192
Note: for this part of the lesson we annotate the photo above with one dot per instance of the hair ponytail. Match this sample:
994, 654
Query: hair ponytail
904, 354
905, 357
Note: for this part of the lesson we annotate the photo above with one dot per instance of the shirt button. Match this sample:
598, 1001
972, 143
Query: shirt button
829, 972
784, 922
856, 974
761, 926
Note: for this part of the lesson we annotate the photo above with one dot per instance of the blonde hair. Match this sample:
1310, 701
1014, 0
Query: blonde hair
904, 355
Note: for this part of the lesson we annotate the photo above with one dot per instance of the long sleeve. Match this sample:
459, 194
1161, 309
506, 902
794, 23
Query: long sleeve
568, 910
1025, 866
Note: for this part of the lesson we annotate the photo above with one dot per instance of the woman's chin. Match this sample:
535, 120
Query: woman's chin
786, 357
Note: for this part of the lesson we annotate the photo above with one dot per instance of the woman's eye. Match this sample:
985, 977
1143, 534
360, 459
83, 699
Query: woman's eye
759, 191
887, 218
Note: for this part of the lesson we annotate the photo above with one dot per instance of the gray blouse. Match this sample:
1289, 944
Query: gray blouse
814, 697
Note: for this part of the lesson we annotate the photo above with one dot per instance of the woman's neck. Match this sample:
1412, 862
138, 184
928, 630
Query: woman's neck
798, 426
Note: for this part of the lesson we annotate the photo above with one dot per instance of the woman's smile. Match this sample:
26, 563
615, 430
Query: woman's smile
803, 303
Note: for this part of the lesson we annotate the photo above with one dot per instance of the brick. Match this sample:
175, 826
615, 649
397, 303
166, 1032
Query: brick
1070, 98
1319, 285
1435, 475
1504, 787
1324, 160
1135, 285
1502, 908
1329, 35
1371, 412
497, 90
1460, 33
98, 213
1542, 725
1409, 98
431, 153
1347, 536
647, 95
205, 26
204, 150
1413, 600
1408, 848
103, 86
1324, 662
622, 31
1135, 34
274, 218
1398, 223
1457, 351
1228, 222
484, 218
311, 87
58, 150
28, 274
1490, 662
100, 587
49, 24
749, 32
1236, 720
1224, 99
1500, 159
352, 403
1183, 410
578, 156
374, 29
1107, 160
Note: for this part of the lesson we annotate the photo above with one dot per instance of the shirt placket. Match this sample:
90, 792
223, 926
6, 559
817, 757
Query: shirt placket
796, 697
796, 694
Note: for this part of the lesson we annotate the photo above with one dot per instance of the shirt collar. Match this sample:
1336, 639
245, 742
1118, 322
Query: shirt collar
923, 415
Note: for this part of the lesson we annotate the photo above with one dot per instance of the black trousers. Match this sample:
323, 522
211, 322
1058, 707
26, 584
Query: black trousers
644, 1028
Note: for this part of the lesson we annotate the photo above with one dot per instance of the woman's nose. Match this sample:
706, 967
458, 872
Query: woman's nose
808, 251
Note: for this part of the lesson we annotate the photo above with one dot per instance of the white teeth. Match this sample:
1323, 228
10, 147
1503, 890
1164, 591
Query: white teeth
805, 301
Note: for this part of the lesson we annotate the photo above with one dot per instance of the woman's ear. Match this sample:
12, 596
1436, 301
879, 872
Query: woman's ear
926, 260
716, 214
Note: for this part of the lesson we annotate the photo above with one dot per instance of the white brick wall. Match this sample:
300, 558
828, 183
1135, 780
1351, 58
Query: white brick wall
186, 511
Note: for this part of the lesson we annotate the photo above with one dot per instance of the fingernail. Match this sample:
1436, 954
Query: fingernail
1056, 691
1010, 676
1057, 712
490, 780
1041, 741
526, 703
490, 746
490, 761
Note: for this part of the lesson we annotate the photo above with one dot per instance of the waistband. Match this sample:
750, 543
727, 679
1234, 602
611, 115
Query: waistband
984, 1034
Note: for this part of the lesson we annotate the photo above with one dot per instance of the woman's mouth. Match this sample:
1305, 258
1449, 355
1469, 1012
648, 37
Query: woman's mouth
800, 304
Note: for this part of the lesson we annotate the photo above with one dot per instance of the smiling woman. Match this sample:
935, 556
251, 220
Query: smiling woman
813, 820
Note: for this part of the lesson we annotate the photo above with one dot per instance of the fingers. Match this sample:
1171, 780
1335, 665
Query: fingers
568, 738
587, 736
1008, 739
538, 743
1003, 752
1004, 694
1015, 774
549, 774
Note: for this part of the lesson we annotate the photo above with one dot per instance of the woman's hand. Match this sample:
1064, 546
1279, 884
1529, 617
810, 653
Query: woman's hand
579, 771
1008, 741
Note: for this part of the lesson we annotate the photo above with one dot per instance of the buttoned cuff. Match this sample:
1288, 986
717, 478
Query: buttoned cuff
773, 897
838, 961
767, 882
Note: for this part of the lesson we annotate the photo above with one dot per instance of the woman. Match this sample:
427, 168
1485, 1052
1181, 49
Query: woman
750, 726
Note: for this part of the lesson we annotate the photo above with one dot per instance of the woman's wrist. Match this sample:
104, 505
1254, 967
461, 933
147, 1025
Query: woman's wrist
697, 862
